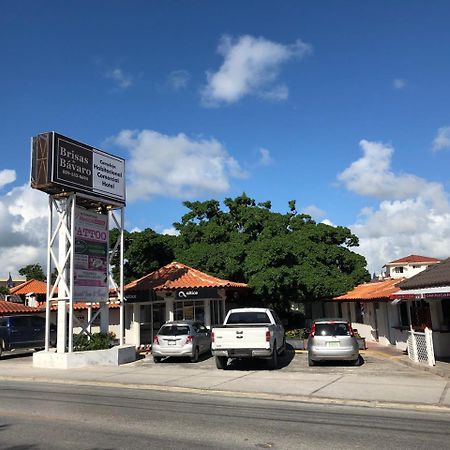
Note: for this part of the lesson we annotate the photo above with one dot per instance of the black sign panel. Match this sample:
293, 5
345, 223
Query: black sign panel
139, 296
61, 164
73, 164
189, 294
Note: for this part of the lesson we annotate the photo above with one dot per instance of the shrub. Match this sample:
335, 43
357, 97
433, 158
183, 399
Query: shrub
98, 341
297, 333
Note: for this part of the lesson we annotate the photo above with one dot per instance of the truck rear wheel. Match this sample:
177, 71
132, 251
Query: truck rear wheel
221, 362
273, 361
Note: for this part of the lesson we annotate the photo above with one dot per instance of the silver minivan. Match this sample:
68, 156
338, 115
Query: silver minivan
182, 338
332, 339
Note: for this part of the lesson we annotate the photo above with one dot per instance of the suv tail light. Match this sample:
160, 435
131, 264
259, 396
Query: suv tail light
313, 330
189, 339
350, 330
156, 340
267, 336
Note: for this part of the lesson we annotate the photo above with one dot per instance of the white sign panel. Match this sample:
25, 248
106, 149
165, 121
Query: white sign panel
108, 175
91, 256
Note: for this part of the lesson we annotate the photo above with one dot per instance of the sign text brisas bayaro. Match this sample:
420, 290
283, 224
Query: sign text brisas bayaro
61, 164
91, 256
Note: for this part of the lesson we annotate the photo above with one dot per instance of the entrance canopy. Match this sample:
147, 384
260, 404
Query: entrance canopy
423, 293
185, 282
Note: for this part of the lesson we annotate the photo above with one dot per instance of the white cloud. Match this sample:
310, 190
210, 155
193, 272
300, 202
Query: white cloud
175, 166
7, 176
442, 139
413, 216
23, 228
314, 211
251, 66
399, 83
264, 157
372, 176
170, 231
121, 79
328, 222
178, 79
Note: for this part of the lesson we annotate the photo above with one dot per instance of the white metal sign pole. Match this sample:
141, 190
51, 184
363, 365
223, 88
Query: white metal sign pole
73, 201
62, 285
122, 310
49, 274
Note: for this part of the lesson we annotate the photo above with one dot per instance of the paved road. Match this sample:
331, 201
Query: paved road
377, 381
73, 417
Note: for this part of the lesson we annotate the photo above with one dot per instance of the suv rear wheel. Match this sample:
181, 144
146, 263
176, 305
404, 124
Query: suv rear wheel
194, 357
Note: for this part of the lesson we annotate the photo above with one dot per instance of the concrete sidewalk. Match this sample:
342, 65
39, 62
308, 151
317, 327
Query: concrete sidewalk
442, 368
382, 381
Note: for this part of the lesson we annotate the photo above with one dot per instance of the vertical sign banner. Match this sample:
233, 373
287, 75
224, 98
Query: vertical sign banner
91, 256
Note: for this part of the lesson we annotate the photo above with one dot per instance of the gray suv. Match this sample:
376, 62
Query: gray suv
332, 339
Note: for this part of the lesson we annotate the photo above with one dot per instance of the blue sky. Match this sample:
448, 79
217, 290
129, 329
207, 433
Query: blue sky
342, 106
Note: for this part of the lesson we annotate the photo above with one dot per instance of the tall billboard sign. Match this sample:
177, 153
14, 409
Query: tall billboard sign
91, 256
61, 164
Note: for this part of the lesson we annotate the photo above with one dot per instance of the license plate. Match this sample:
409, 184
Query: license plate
171, 342
333, 344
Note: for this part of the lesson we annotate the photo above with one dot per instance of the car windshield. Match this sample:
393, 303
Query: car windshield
174, 330
248, 317
332, 329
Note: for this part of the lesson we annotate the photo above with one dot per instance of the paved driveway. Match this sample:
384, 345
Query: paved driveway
372, 364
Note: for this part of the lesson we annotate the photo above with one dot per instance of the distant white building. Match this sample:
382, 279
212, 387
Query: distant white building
371, 309
408, 266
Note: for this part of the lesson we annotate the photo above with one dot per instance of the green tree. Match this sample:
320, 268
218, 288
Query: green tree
144, 252
4, 290
283, 257
33, 271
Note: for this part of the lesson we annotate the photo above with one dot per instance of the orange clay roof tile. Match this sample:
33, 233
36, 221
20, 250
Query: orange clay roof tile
179, 276
415, 259
375, 290
36, 286
15, 308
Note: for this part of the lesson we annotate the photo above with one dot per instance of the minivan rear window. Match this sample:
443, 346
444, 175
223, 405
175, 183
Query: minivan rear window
174, 330
332, 329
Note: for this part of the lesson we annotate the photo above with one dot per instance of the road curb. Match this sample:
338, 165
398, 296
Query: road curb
254, 395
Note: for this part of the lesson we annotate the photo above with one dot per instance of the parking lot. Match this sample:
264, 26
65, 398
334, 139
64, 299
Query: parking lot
371, 364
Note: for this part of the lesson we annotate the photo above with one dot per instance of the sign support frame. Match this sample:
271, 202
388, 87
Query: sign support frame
62, 207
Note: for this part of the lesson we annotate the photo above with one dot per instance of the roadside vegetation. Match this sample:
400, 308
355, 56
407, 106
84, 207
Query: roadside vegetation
286, 258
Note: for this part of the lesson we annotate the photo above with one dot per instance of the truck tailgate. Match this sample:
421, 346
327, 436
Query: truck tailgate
240, 337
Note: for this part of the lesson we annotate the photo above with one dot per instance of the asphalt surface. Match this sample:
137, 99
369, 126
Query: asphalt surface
380, 380
42, 416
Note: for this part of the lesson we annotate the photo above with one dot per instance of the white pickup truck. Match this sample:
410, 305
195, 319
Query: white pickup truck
248, 333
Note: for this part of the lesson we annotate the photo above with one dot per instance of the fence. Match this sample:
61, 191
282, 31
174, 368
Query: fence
420, 347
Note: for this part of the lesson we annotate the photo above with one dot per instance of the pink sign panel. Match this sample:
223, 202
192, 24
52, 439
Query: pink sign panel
91, 256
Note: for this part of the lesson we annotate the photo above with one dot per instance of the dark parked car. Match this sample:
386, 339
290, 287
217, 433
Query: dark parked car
24, 331
332, 340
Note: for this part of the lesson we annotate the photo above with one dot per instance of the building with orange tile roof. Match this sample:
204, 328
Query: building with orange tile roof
373, 310
29, 287
409, 266
176, 292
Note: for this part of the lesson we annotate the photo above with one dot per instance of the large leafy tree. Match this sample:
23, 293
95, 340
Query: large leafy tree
283, 257
144, 252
